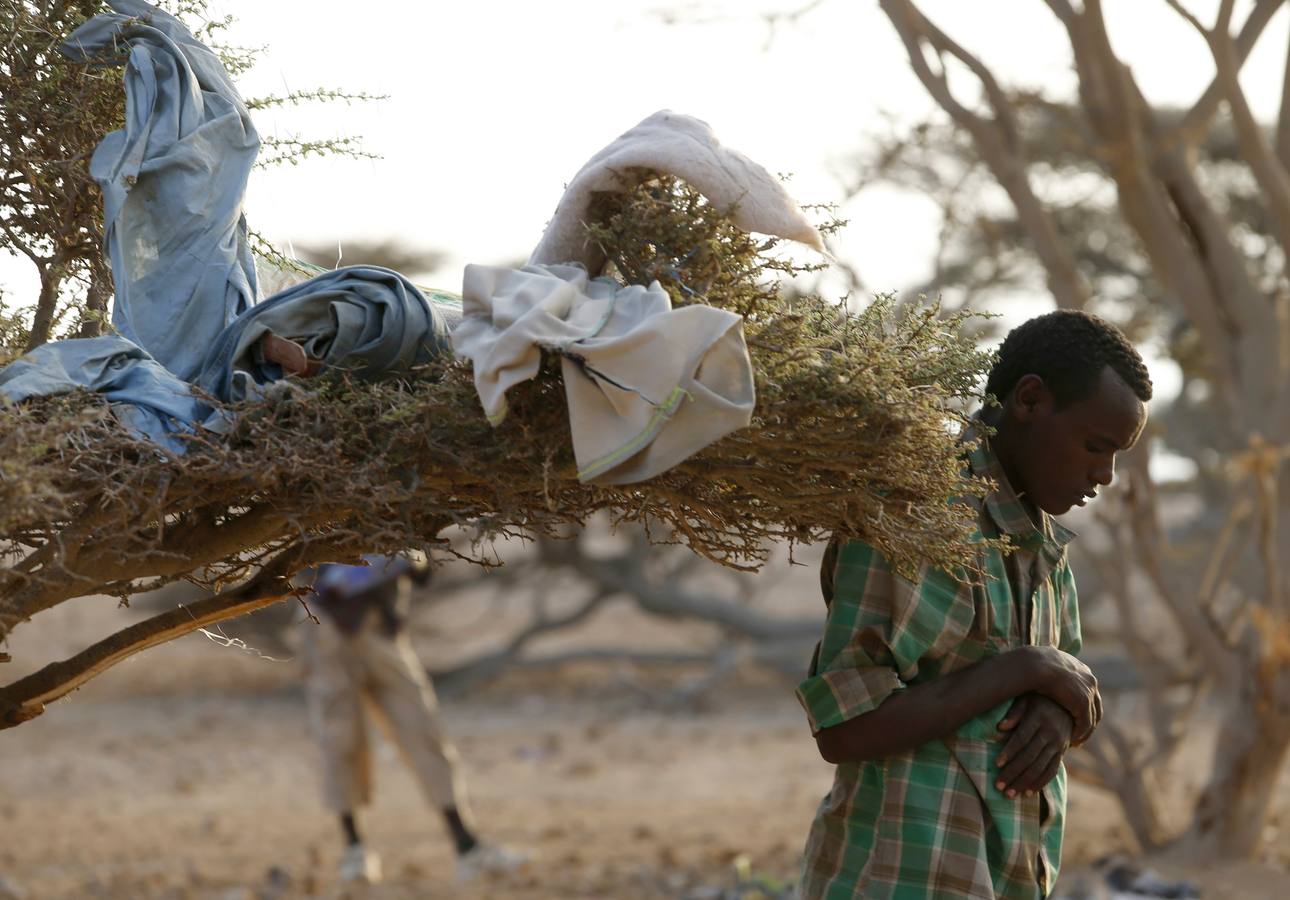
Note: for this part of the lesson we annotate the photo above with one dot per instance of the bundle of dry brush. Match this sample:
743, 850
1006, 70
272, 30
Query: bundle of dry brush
854, 432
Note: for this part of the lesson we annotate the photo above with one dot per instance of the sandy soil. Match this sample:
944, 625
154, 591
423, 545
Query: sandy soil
188, 773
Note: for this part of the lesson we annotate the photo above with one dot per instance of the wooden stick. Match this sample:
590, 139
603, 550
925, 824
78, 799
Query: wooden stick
26, 698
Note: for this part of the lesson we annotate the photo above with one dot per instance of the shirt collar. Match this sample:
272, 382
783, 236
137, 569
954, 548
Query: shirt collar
1004, 506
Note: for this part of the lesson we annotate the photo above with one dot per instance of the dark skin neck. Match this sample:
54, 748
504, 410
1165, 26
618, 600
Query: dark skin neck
1003, 443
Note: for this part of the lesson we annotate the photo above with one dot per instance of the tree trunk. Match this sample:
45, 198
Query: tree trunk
1195, 251
1247, 769
51, 279
95, 313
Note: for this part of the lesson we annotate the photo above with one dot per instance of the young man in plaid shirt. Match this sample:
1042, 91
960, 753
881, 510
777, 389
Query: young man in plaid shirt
947, 705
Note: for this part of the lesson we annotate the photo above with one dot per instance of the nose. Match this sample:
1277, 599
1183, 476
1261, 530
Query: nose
1104, 471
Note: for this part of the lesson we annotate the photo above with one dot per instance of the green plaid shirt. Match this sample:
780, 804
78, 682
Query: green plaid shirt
930, 823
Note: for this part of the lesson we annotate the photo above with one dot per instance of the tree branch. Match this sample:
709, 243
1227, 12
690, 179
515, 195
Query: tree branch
1257, 152
39, 261
1188, 243
178, 553
26, 698
1201, 631
998, 142
491, 664
1193, 126
1062, 10
625, 574
1177, 7
1283, 118
1126, 778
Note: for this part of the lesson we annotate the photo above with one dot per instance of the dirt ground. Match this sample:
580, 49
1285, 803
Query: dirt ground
188, 774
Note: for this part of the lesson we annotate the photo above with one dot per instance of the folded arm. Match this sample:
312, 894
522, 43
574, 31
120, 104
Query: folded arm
925, 712
869, 694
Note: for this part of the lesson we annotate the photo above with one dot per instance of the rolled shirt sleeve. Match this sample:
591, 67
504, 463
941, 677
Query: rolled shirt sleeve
879, 629
833, 697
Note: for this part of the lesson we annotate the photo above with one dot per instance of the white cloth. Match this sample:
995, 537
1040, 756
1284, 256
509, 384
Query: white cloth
680, 145
647, 385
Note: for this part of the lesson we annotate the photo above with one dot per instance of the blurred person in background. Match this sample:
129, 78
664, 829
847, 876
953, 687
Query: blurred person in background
359, 666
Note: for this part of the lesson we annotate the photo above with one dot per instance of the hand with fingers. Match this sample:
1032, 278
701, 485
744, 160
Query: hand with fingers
1064, 679
1039, 734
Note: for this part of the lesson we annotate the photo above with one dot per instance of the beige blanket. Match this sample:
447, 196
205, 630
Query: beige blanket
647, 385
686, 147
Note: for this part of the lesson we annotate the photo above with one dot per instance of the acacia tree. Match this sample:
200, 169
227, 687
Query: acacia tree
1186, 215
53, 113
51, 117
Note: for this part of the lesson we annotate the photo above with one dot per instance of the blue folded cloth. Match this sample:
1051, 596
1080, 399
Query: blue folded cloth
173, 181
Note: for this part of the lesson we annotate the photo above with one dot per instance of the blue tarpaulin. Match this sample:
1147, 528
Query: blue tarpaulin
185, 307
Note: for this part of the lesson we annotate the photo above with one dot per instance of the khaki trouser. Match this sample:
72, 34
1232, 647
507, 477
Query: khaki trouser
346, 673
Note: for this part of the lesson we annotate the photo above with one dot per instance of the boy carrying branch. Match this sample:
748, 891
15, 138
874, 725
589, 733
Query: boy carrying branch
947, 703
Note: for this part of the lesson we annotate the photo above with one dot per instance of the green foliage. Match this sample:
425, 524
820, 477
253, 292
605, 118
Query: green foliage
14, 331
53, 113
858, 410
275, 151
853, 433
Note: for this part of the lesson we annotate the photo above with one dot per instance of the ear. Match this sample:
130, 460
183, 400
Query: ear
1030, 399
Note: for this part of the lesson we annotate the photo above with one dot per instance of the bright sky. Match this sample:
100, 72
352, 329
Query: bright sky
493, 105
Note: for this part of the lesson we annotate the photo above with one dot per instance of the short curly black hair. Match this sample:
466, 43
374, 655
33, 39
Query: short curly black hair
1068, 350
